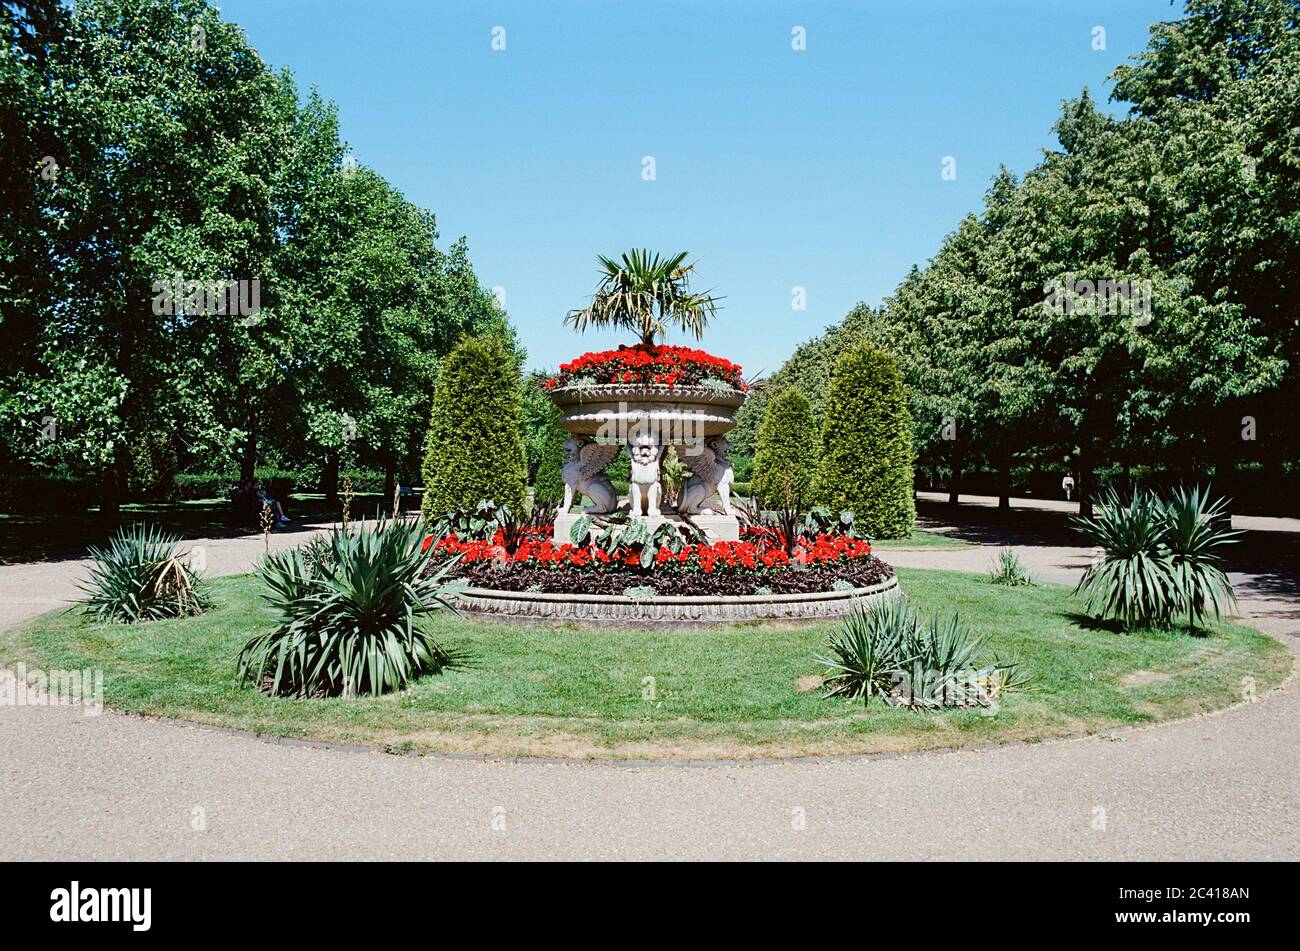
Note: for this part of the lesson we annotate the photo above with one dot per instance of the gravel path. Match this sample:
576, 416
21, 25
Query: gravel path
116, 787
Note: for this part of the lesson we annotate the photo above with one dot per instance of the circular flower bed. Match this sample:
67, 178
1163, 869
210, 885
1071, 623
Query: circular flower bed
756, 565
658, 364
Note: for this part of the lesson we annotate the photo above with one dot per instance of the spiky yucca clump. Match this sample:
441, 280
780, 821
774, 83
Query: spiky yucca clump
890, 654
1159, 558
1008, 570
354, 615
142, 576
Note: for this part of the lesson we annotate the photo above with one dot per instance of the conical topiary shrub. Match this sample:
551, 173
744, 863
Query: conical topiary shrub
549, 486
867, 455
785, 452
475, 450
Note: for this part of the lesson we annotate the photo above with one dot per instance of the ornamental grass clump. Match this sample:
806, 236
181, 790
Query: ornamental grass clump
142, 576
354, 615
1007, 569
1159, 559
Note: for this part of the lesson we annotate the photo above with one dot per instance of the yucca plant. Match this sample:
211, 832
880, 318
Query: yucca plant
1008, 570
945, 654
354, 616
142, 576
888, 653
870, 653
1195, 528
1133, 581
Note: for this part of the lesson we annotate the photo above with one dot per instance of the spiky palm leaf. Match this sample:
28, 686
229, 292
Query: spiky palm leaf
645, 293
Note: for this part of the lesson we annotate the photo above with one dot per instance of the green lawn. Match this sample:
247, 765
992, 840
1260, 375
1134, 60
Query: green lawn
730, 692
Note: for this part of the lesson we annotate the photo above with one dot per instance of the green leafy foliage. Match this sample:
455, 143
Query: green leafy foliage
549, 485
353, 615
183, 156
475, 449
1190, 199
866, 455
785, 457
142, 576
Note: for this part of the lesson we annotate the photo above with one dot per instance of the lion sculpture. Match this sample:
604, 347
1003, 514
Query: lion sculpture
711, 472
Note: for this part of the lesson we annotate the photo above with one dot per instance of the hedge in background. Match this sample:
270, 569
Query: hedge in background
867, 456
474, 448
549, 486
785, 455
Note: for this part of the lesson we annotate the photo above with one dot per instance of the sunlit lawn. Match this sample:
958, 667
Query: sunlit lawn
731, 692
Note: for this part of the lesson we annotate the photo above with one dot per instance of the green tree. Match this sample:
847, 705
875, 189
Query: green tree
785, 459
866, 461
475, 451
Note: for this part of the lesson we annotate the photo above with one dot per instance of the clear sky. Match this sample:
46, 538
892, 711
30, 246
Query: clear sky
775, 168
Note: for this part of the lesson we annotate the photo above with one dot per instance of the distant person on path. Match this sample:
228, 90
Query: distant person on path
1067, 484
276, 507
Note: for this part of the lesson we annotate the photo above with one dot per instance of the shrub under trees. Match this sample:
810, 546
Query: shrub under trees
786, 451
475, 449
867, 456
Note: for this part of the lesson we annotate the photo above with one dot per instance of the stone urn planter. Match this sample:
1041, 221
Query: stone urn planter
646, 419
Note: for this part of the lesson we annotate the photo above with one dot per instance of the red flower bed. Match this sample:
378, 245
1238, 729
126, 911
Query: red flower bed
670, 366
740, 567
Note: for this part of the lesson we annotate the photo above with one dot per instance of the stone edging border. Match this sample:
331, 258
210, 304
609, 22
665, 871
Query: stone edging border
602, 610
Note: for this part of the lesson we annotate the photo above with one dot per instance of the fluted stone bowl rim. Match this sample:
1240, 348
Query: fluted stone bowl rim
646, 393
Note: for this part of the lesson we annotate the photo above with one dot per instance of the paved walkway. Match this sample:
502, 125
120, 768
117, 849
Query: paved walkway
116, 787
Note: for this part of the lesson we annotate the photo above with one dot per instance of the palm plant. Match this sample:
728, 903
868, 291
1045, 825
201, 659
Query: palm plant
353, 615
645, 293
1134, 579
1194, 529
142, 576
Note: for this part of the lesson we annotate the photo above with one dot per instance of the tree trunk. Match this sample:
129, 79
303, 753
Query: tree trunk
1083, 485
1004, 484
330, 479
248, 454
954, 481
113, 487
390, 481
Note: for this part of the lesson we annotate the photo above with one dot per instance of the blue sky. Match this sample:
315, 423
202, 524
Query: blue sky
775, 168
